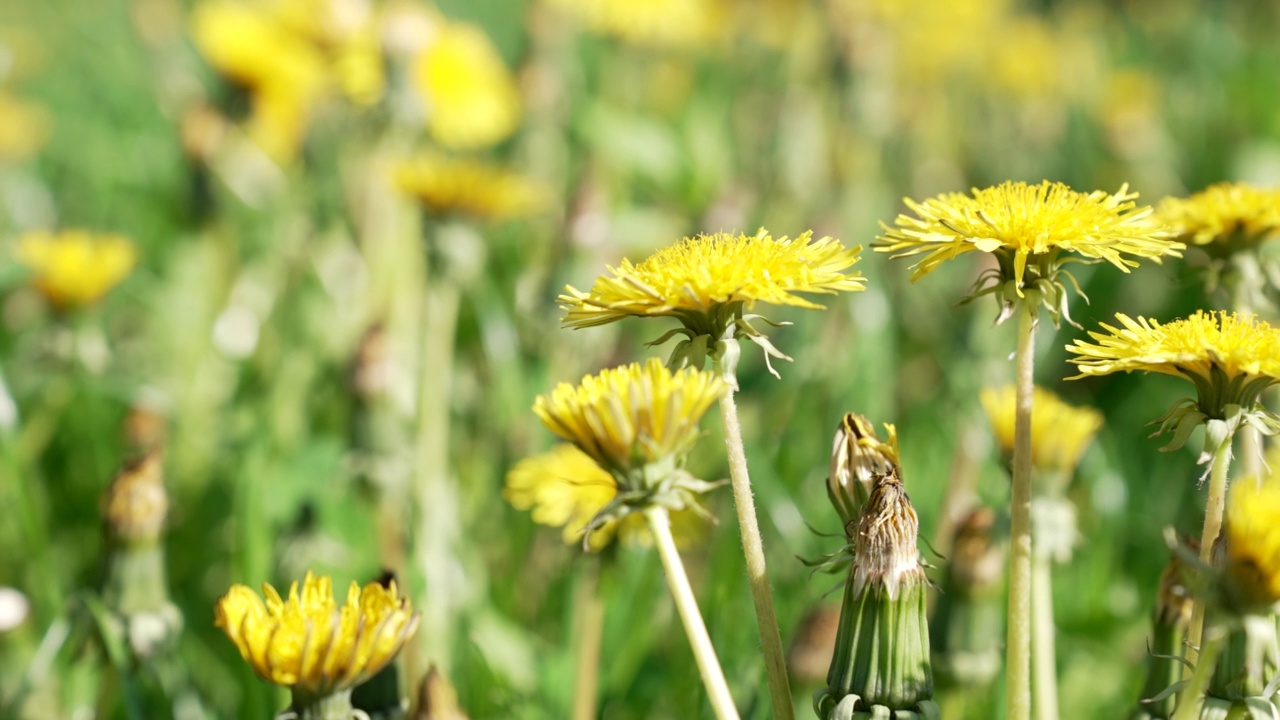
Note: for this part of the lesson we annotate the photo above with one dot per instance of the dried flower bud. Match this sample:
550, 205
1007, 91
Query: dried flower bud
858, 457
135, 505
968, 623
437, 700
886, 544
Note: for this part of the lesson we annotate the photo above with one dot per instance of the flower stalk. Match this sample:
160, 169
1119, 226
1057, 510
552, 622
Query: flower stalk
1214, 509
1018, 653
687, 606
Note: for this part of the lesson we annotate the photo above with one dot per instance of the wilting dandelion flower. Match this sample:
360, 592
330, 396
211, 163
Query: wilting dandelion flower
638, 422
311, 644
858, 458
655, 22
708, 281
471, 187
1230, 358
564, 487
470, 96
75, 267
1028, 228
1060, 432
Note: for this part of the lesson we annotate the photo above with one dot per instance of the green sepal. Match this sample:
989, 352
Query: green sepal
1247, 709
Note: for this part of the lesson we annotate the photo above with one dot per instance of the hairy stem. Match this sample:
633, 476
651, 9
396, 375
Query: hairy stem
1214, 508
757, 574
1018, 654
1043, 665
1192, 696
694, 627
589, 618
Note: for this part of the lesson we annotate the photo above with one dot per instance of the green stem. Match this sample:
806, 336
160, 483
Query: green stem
753, 548
1018, 653
1043, 665
1192, 696
687, 606
1214, 509
330, 707
589, 619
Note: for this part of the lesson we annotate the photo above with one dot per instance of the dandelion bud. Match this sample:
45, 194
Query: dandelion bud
881, 662
1169, 625
857, 458
135, 505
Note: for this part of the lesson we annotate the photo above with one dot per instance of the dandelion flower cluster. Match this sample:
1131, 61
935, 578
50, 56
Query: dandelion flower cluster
471, 187
311, 644
654, 22
1224, 215
75, 267
471, 99
1060, 433
1025, 221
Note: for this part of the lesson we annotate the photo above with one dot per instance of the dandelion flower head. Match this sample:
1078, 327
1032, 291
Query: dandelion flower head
697, 275
1252, 544
470, 96
469, 187
310, 643
1020, 222
1060, 432
888, 529
74, 267
631, 416
1223, 213
564, 487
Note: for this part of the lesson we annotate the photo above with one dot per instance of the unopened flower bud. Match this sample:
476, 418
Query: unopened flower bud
858, 457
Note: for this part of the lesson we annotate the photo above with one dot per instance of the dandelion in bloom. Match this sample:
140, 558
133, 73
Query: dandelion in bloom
1251, 541
1060, 432
564, 487
309, 643
74, 268
707, 283
470, 97
447, 185
1032, 230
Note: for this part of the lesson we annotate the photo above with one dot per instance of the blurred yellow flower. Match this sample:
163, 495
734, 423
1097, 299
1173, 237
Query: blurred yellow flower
1251, 535
470, 96
74, 267
632, 416
564, 487
289, 55
24, 128
1060, 433
1238, 347
1223, 213
471, 187
1026, 59
698, 275
1025, 221
308, 642
650, 22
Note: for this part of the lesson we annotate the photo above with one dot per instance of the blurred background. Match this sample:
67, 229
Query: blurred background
350, 220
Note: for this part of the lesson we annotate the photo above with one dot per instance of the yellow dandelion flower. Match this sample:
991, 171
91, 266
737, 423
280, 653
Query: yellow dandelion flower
1060, 433
24, 127
1027, 221
1226, 214
308, 642
631, 416
1230, 358
74, 267
564, 487
471, 98
471, 187
1251, 534
654, 22
1200, 346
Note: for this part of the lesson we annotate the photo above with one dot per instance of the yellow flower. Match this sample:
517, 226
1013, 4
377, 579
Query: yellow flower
653, 22
629, 417
1027, 221
471, 99
697, 275
1060, 433
1224, 212
311, 644
1252, 545
74, 267
24, 127
472, 187
1200, 346
565, 487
